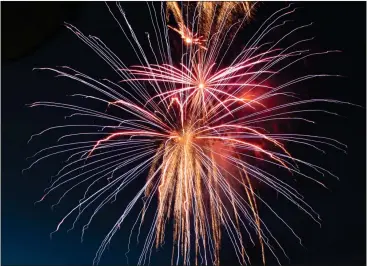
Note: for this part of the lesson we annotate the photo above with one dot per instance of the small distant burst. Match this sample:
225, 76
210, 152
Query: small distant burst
188, 37
198, 128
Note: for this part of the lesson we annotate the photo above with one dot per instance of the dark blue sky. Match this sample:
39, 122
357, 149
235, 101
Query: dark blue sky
26, 228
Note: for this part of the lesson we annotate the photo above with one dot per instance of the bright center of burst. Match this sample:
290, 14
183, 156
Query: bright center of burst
188, 40
185, 138
201, 86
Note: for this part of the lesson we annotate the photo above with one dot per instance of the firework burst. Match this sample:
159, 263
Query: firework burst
197, 127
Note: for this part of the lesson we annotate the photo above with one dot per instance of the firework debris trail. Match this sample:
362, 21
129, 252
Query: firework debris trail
198, 129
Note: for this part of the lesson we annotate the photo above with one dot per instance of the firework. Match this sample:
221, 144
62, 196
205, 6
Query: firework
197, 127
209, 17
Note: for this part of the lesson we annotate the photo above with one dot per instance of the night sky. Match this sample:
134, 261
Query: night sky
33, 36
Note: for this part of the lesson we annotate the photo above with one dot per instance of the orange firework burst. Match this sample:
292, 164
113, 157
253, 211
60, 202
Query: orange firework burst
208, 17
188, 37
198, 128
